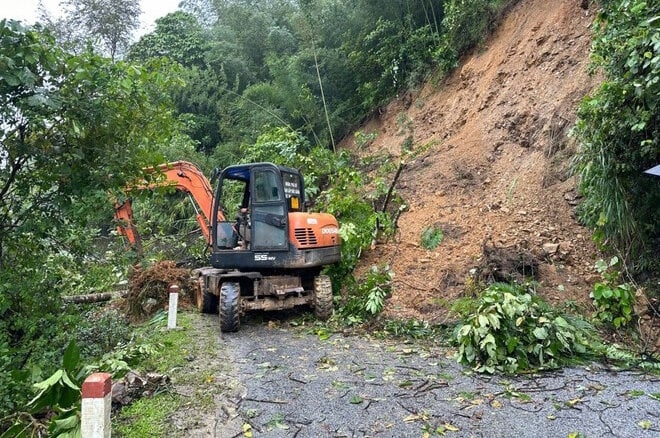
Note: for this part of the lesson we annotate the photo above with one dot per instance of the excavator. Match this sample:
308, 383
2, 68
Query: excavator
270, 256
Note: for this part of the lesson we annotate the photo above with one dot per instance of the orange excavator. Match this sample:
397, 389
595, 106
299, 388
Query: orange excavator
271, 256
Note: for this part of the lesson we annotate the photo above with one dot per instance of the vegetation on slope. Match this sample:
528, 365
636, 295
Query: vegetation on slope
619, 133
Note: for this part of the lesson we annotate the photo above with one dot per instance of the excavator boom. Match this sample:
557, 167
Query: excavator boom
182, 176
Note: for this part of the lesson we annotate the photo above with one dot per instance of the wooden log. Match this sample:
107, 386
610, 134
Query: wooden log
93, 297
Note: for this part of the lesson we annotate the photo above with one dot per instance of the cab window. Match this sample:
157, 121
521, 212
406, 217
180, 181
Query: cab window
266, 187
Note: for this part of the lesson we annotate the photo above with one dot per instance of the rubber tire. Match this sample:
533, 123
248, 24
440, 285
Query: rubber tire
230, 294
322, 297
206, 302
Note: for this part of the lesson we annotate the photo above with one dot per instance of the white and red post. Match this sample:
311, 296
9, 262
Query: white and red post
96, 406
174, 303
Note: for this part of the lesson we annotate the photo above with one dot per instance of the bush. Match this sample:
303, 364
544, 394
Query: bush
613, 300
618, 129
513, 330
468, 22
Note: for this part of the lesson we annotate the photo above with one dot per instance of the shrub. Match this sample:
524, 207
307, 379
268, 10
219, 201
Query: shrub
368, 298
513, 330
613, 300
432, 237
618, 132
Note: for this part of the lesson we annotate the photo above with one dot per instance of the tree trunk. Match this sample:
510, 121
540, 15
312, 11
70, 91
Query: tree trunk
94, 297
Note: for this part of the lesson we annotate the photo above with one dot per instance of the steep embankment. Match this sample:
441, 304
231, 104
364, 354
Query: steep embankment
494, 174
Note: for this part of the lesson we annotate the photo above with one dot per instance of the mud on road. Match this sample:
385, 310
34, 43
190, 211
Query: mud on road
274, 379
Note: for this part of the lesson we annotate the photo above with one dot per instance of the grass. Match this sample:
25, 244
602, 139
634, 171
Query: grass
151, 416
147, 417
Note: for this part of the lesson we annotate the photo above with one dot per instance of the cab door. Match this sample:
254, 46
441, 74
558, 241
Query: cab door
269, 211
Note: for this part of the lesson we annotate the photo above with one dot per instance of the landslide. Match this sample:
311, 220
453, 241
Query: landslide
492, 170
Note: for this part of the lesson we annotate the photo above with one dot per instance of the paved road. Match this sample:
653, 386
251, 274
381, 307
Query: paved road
291, 382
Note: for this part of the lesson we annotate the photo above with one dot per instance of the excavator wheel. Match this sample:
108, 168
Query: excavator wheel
322, 297
206, 302
230, 294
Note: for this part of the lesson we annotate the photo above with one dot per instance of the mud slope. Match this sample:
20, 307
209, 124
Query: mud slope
492, 173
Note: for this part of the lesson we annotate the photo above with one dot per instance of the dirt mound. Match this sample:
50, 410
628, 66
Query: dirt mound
149, 289
494, 169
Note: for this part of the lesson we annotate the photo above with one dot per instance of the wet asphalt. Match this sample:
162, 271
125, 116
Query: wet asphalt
288, 381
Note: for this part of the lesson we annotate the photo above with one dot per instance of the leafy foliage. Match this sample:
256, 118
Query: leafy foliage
613, 300
432, 237
467, 22
317, 67
59, 394
618, 132
72, 128
513, 330
178, 36
368, 296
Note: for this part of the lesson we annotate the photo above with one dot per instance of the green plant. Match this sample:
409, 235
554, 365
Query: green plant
513, 330
99, 332
364, 139
613, 300
58, 401
376, 286
617, 130
432, 236
369, 296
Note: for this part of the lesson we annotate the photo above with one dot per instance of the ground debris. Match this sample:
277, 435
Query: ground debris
148, 289
134, 386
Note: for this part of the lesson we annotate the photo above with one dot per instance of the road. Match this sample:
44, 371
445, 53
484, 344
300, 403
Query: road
286, 381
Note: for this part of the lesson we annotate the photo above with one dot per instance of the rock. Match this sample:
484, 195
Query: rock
550, 248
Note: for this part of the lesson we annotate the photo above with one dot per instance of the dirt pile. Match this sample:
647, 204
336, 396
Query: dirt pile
494, 171
148, 290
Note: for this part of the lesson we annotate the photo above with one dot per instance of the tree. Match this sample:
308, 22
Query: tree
108, 25
71, 129
177, 36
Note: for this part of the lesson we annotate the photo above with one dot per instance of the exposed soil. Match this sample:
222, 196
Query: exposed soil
493, 167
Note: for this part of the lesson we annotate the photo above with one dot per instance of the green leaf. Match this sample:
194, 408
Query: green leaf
356, 400
71, 356
51, 381
540, 333
66, 423
67, 381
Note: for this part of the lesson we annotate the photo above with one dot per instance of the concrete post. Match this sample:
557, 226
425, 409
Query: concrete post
96, 406
174, 303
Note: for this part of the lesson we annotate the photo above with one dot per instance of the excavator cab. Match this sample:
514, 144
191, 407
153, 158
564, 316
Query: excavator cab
260, 218
266, 224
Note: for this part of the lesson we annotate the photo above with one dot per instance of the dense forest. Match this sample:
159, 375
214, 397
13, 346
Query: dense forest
84, 108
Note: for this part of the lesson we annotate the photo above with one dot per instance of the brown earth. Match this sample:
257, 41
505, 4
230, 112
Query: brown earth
491, 151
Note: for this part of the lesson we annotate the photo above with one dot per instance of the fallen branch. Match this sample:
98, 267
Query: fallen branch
277, 402
94, 297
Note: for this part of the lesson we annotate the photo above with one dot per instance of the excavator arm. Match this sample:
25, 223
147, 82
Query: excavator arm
180, 175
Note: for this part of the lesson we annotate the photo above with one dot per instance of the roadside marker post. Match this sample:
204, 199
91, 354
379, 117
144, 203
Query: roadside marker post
174, 303
96, 406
